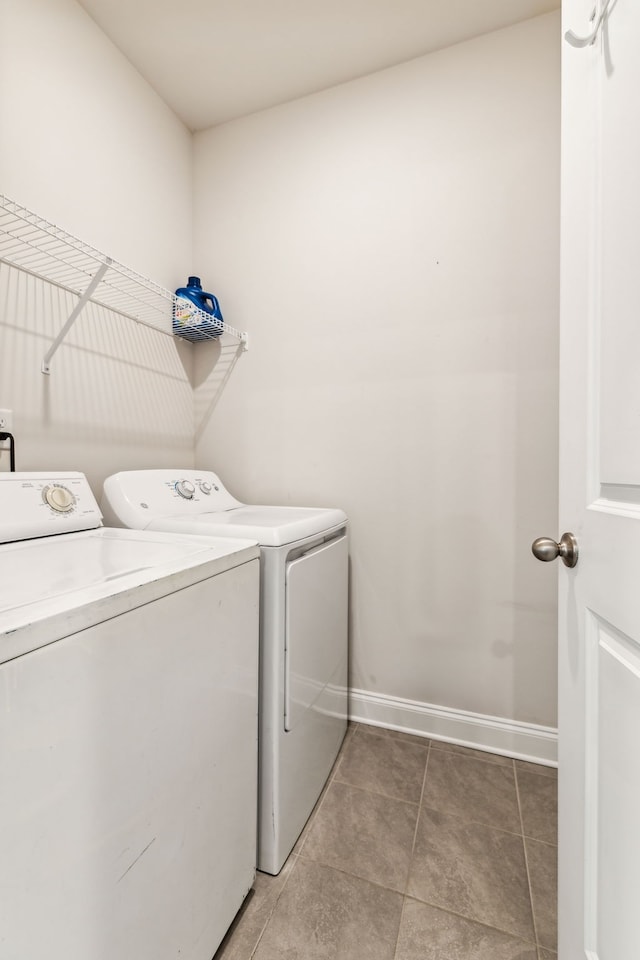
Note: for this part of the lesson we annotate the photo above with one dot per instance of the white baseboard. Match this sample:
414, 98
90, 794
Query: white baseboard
510, 738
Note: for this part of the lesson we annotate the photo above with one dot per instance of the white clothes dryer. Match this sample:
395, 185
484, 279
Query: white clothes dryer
128, 731
303, 629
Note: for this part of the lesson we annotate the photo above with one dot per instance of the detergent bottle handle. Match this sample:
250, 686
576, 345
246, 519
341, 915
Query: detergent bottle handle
210, 299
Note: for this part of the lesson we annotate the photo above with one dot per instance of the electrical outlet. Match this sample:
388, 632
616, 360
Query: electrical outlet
6, 420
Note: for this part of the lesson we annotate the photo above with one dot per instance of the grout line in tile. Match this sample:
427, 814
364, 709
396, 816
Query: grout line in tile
347, 873
308, 827
536, 773
415, 832
376, 793
480, 923
395, 949
532, 768
445, 747
466, 758
547, 843
370, 730
293, 857
526, 858
407, 743
413, 847
480, 823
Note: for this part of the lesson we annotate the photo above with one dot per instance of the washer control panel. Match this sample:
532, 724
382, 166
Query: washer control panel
59, 498
44, 504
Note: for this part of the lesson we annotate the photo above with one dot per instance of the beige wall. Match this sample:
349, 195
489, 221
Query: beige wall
392, 246
86, 143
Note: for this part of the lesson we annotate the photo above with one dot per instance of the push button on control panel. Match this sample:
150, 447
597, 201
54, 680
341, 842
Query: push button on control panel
59, 498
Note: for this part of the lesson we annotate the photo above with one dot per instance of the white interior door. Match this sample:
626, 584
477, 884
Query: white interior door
599, 662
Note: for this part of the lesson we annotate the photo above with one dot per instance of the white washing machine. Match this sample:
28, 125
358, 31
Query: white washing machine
303, 630
128, 731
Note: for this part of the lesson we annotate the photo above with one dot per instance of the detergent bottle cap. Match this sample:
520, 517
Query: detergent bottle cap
194, 282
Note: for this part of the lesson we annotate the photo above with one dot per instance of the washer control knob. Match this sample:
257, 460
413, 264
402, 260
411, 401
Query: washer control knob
205, 487
186, 489
59, 498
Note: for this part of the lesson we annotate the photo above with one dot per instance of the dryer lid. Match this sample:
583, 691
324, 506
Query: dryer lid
270, 526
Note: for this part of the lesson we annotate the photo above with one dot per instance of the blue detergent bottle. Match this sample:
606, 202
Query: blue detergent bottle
196, 313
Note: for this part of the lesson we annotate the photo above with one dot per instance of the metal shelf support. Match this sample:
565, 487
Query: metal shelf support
75, 313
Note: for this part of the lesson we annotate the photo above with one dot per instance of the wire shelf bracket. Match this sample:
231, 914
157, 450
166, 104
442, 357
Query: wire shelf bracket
39, 248
77, 310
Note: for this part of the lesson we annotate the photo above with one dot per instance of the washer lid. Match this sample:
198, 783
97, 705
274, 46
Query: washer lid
55, 586
270, 526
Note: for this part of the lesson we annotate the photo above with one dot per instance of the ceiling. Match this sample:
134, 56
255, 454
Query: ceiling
215, 60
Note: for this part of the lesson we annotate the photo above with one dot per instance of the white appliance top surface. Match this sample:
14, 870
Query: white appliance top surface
270, 526
197, 502
54, 586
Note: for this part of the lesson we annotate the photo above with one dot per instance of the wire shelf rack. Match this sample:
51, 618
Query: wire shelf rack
41, 249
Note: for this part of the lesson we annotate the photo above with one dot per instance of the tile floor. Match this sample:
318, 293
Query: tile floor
417, 850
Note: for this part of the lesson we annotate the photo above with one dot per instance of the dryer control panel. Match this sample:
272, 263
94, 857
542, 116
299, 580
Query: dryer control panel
134, 498
44, 504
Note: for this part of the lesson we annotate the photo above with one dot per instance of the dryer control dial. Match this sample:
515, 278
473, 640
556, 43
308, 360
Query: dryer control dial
205, 487
186, 489
59, 498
